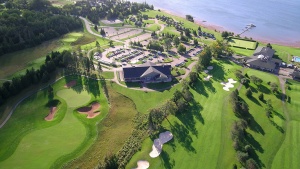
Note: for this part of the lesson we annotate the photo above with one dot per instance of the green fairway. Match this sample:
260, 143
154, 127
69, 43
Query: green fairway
74, 98
242, 43
76, 34
42, 147
243, 52
199, 133
288, 154
28, 141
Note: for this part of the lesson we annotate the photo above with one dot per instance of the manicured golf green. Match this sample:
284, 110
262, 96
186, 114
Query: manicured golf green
242, 43
28, 141
75, 34
288, 155
69, 40
74, 98
41, 148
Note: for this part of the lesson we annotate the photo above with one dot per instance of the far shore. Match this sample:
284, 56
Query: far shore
220, 29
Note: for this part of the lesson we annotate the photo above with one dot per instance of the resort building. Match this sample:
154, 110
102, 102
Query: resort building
262, 59
296, 75
147, 73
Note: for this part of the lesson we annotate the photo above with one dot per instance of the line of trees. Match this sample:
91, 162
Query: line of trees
32, 76
22, 27
107, 9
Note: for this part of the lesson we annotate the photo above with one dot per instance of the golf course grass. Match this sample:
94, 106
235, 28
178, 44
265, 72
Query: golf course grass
73, 98
242, 43
288, 154
198, 132
29, 141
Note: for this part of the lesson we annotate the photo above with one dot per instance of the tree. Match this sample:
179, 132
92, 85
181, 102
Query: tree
245, 81
45, 77
110, 162
169, 108
269, 45
181, 49
193, 77
257, 81
111, 43
251, 164
167, 44
261, 97
177, 95
249, 93
176, 40
225, 34
97, 44
199, 29
96, 28
196, 42
274, 87
187, 95
242, 157
269, 108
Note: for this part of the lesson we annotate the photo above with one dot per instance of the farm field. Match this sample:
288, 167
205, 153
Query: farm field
27, 134
242, 43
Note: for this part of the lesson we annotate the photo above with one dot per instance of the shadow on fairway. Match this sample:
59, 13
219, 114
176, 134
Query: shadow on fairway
92, 86
198, 86
167, 162
257, 147
79, 86
181, 133
189, 117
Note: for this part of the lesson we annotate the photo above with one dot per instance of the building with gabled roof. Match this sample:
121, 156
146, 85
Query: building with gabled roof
147, 73
263, 59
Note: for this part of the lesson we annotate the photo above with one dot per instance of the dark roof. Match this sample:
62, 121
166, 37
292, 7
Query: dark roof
296, 74
266, 52
137, 72
268, 64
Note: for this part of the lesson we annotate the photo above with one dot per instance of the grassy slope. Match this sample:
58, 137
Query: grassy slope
243, 43
243, 52
153, 27
288, 154
31, 134
200, 133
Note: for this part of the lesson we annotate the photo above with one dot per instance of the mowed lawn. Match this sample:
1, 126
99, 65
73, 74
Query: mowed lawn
28, 141
265, 135
242, 43
201, 137
289, 152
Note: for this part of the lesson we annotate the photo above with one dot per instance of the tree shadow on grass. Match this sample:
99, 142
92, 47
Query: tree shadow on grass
92, 86
279, 128
78, 87
209, 86
264, 89
181, 134
188, 117
254, 100
167, 162
278, 115
255, 144
218, 72
199, 88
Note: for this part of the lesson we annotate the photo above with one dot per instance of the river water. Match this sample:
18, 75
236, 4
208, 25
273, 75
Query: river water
276, 20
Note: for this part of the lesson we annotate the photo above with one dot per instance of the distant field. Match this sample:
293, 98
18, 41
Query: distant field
242, 43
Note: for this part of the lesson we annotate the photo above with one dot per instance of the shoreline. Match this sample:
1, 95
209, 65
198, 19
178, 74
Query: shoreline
219, 29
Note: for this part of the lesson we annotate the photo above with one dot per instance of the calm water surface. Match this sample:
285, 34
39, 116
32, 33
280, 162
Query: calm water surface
276, 20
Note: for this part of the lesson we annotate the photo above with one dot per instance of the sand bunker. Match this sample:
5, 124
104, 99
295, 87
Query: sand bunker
70, 84
210, 68
228, 85
51, 114
142, 164
158, 143
90, 111
207, 78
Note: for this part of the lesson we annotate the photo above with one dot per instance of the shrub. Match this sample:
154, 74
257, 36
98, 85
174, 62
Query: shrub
261, 97
249, 93
251, 164
242, 157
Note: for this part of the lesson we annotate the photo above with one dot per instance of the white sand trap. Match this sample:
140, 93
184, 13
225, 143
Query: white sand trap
207, 78
210, 67
231, 81
158, 143
205, 71
142, 164
228, 85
